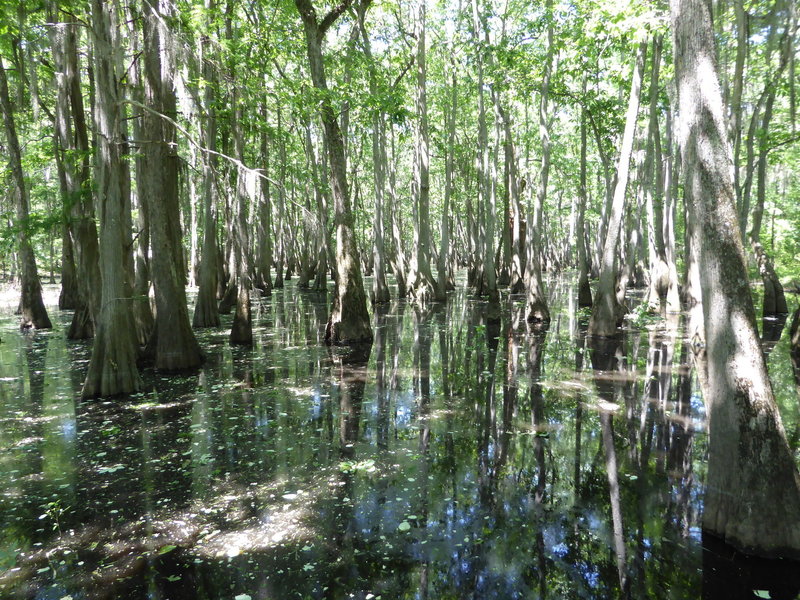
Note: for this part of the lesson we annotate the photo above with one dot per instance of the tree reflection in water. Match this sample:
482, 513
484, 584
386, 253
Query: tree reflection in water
463, 457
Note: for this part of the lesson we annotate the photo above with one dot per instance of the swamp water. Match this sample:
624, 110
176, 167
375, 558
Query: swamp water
465, 459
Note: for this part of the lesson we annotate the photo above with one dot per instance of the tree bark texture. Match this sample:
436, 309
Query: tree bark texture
32, 311
349, 320
421, 284
205, 308
607, 312
753, 488
112, 367
172, 343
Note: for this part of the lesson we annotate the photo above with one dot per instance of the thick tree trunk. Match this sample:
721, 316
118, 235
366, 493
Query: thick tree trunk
607, 312
753, 487
349, 320
172, 343
112, 367
32, 311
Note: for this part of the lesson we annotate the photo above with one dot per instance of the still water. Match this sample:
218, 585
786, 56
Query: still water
463, 458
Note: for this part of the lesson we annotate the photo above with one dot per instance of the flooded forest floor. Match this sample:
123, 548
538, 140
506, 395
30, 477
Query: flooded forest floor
466, 459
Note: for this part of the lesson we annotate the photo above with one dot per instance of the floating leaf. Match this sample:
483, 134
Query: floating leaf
404, 526
243, 597
167, 548
761, 594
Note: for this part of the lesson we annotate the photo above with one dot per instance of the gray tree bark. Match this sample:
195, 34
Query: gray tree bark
349, 320
752, 496
205, 308
172, 343
112, 367
421, 284
607, 312
33, 314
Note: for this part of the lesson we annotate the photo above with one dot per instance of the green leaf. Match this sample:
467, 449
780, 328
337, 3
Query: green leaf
166, 549
404, 526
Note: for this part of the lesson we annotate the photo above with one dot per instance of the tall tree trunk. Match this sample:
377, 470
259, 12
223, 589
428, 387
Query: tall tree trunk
752, 496
349, 320
398, 261
442, 266
654, 192
112, 367
516, 215
584, 290
32, 311
735, 134
774, 298
70, 296
205, 308
142, 309
281, 241
607, 312
380, 290
486, 267
263, 281
421, 284
172, 342
536, 303
242, 327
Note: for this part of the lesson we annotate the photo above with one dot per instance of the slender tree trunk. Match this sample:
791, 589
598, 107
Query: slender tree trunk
774, 298
421, 284
280, 237
112, 367
516, 215
607, 312
380, 290
263, 281
205, 308
242, 327
399, 262
32, 311
172, 343
653, 188
443, 272
753, 487
69, 298
735, 134
349, 320
486, 265
584, 290
142, 309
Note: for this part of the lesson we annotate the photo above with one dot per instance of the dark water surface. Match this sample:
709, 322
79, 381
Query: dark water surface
466, 459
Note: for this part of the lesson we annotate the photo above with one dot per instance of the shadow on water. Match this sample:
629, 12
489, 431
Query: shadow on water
460, 456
